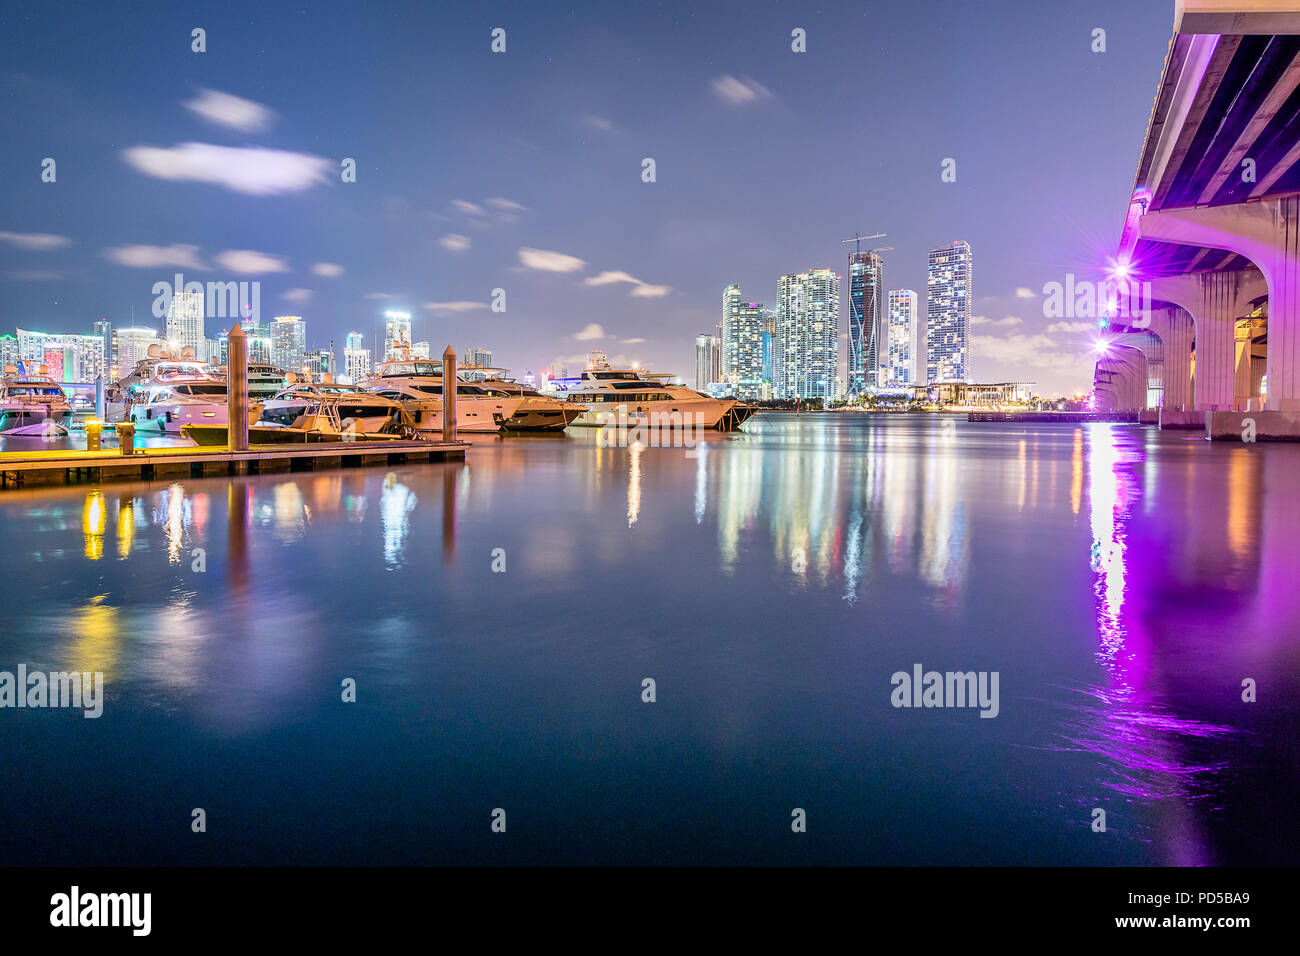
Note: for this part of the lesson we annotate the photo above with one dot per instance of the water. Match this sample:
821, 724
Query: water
1121, 582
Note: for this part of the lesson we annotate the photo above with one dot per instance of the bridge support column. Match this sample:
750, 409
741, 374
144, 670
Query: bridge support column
1175, 329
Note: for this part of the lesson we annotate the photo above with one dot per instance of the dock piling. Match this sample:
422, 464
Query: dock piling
449, 379
237, 389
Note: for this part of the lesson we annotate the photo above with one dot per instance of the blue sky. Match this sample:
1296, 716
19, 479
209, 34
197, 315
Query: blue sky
224, 165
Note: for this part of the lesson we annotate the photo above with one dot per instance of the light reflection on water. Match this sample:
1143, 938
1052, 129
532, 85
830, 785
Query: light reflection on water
1121, 581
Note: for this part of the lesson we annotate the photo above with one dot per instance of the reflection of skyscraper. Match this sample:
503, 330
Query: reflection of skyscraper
185, 320
742, 343
807, 342
900, 355
948, 314
866, 271
708, 351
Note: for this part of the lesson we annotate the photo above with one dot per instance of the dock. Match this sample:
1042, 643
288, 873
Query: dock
22, 468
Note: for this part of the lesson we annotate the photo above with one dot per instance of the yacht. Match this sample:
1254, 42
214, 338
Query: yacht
33, 405
177, 393
631, 397
536, 412
264, 381
417, 384
327, 409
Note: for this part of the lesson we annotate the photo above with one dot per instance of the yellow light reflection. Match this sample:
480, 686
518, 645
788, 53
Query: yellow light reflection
94, 520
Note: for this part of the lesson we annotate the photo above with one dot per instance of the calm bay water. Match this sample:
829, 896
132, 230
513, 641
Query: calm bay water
1122, 582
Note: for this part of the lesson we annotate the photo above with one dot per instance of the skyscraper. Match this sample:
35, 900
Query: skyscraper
133, 347
769, 346
948, 314
900, 357
742, 343
708, 352
397, 332
807, 347
185, 321
478, 356
288, 342
356, 359
866, 327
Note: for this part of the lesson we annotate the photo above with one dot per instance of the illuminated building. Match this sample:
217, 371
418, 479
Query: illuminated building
185, 321
866, 327
397, 332
807, 342
708, 353
288, 342
948, 314
898, 368
742, 343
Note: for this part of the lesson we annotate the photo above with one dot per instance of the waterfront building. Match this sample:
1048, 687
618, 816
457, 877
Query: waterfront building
133, 347
184, 327
480, 357
288, 342
67, 357
422, 350
558, 369
948, 313
742, 343
356, 359
806, 353
8, 351
866, 326
397, 333
901, 351
708, 354
319, 362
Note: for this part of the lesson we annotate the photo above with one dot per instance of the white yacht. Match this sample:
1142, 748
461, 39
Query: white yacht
178, 393
627, 396
33, 405
417, 383
264, 381
536, 412
329, 410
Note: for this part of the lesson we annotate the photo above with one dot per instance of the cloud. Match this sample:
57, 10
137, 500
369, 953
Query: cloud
235, 112
506, 205
251, 170
380, 295
631, 341
548, 261
598, 122
460, 305
1037, 351
154, 257
985, 320
330, 270
35, 241
297, 295
1023, 293
455, 242
469, 208
34, 275
645, 290
740, 92
590, 331
639, 288
249, 262
1072, 327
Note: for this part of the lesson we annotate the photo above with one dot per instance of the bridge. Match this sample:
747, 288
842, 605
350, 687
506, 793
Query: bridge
1212, 227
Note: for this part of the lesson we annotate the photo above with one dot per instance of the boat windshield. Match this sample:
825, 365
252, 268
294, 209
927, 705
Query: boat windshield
411, 368
33, 390
201, 389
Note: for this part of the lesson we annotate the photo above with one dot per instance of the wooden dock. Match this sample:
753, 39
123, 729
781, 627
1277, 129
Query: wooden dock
19, 468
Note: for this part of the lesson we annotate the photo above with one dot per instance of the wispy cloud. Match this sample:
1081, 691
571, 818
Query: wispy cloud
648, 291
1072, 327
177, 255
249, 262
330, 270
467, 207
380, 295
591, 330
460, 305
506, 205
1024, 293
231, 111
35, 241
631, 341
251, 170
598, 122
639, 288
740, 91
455, 242
985, 320
548, 261
297, 295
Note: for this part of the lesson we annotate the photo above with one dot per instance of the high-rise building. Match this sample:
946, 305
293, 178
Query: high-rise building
708, 355
133, 347
948, 314
67, 357
866, 325
319, 362
742, 343
806, 354
356, 359
185, 322
558, 369
397, 333
288, 342
479, 357
769, 347
108, 363
901, 342
8, 351
421, 350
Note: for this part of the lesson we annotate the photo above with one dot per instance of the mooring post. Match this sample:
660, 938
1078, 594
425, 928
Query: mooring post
237, 390
449, 380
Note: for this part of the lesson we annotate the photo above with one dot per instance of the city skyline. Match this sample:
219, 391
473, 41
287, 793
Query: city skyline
529, 184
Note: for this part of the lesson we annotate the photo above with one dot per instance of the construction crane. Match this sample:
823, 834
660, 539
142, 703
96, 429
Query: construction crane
857, 241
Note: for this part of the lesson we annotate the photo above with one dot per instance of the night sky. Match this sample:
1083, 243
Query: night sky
466, 159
